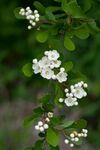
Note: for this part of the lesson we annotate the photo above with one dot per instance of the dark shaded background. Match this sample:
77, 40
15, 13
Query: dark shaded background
19, 94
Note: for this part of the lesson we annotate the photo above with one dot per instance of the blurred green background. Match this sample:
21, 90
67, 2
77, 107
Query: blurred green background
18, 94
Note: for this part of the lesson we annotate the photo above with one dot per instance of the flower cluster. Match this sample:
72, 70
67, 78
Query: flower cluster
43, 125
76, 92
46, 65
32, 17
75, 137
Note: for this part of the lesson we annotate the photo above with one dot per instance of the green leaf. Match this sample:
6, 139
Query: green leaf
50, 16
48, 107
52, 137
39, 7
27, 69
56, 120
53, 8
58, 94
87, 5
38, 145
30, 120
45, 99
68, 43
68, 66
55, 44
72, 8
38, 110
53, 148
29, 148
82, 32
17, 15
67, 124
42, 36
93, 27
80, 124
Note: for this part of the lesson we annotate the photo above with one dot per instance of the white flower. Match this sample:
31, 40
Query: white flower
70, 101
61, 77
47, 73
44, 62
66, 141
79, 92
32, 17
56, 63
36, 68
41, 129
40, 123
71, 145
37, 127
53, 55
61, 100
46, 126
62, 69
29, 27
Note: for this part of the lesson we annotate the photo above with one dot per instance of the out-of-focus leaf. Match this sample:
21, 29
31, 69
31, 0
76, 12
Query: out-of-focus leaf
17, 15
67, 124
29, 148
53, 8
68, 66
50, 15
82, 32
55, 44
27, 70
30, 120
93, 27
38, 145
87, 5
58, 94
56, 120
72, 8
39, 7
80, 124
52, 137
45, 99
68, 43
53, 148
42, 36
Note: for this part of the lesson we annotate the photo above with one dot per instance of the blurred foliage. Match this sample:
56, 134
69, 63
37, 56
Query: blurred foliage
18, 47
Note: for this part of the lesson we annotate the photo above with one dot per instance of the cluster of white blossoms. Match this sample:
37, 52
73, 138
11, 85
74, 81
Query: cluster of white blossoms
43, 125
75, 137
46, 65
32, 17
76, 92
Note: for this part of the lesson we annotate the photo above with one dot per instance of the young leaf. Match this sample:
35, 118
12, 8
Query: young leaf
52, 137
39, 7
27, 70
68, 43
42, 36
